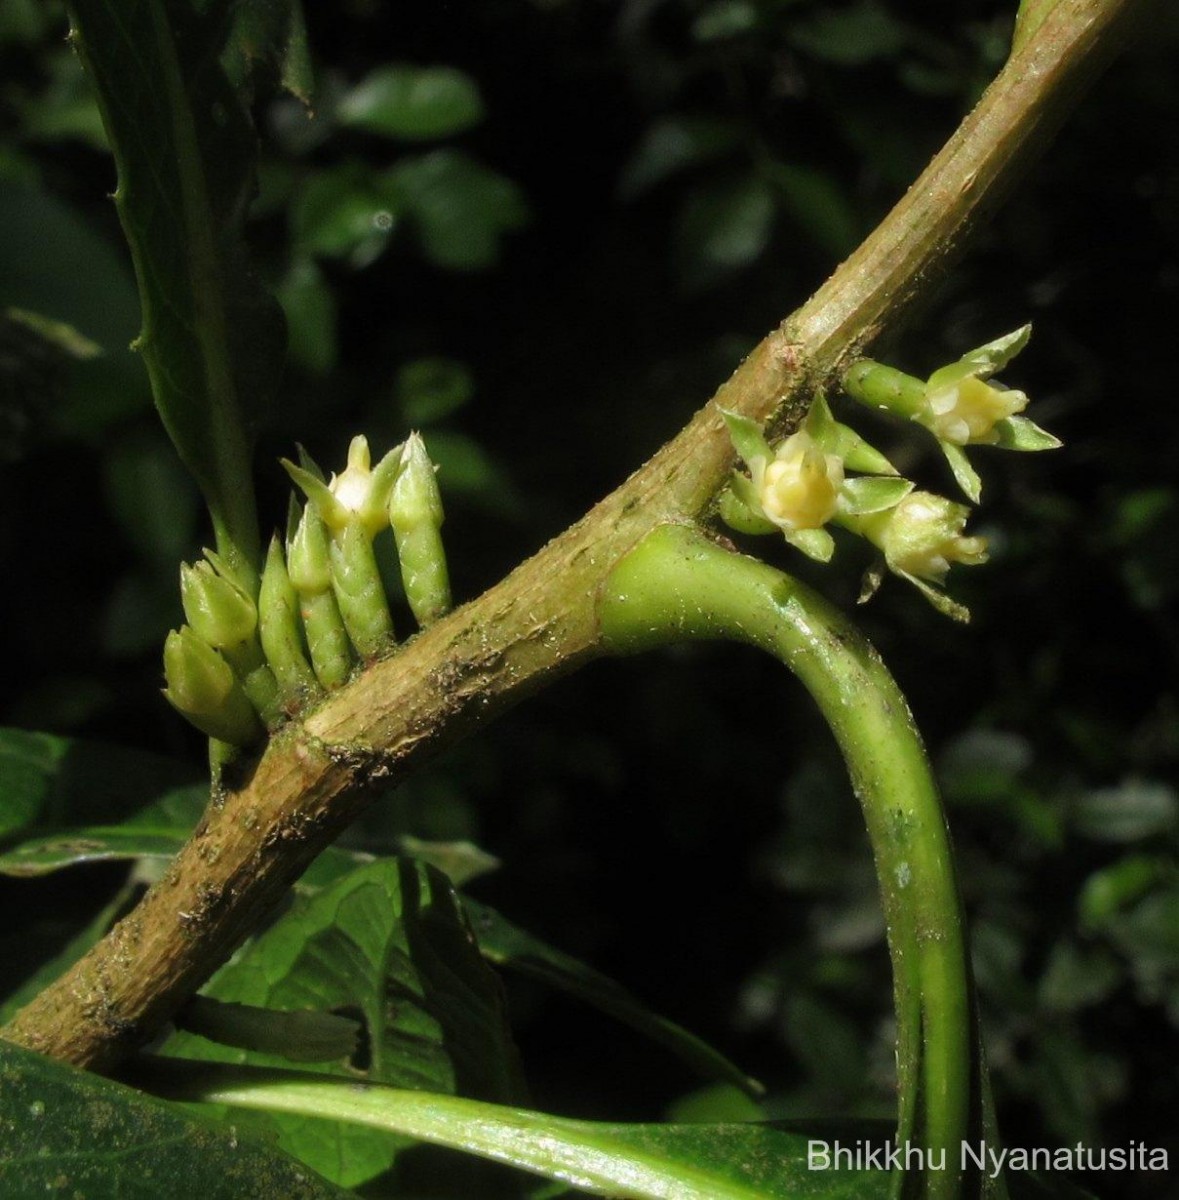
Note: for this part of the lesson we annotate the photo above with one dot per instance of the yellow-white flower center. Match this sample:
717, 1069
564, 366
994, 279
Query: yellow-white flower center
968, 410
799, 488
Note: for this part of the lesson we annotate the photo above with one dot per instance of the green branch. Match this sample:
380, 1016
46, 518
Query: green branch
675, 586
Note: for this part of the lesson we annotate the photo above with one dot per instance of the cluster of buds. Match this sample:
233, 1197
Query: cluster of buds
241, 664
801, 486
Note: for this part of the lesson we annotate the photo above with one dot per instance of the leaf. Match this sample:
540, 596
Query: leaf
271, 34
431, 389
820, 206
1134, 810
212, 338
72, 1133
851, 36
724, 19
75, 276
509, 946
462, 209
674, 144
872, 494
343, 212
157, 831
724, 225
387, 942
310, 307
413, 103
48, 781
642, 1162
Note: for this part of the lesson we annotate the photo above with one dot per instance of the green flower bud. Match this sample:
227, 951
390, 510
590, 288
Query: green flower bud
415, 512
201, 686
310, 569
360, 593
218, 610
280, 630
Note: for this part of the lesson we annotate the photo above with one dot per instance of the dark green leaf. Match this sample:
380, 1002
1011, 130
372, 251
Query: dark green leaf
310, 306
343, 212
75, 276
724, 19
414, 103
212, 338
508, 946
820, 206
388, 942
643, 1162
71, 1133
271, 34
1134, 810
850, 36
461, 209
673, 144
724, 226
429, 389
50, 781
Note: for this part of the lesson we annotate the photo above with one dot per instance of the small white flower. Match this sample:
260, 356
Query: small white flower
967, 411
922, 536
799, 487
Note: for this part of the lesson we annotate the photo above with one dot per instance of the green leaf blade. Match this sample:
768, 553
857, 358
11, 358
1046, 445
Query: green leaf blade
212, 340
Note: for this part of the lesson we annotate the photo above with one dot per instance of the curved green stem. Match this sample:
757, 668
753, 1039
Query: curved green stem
675, 585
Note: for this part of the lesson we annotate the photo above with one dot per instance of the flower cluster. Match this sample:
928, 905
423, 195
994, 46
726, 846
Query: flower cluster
802, 485
243, 662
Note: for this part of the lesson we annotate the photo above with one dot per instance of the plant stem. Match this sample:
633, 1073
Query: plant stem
675, 586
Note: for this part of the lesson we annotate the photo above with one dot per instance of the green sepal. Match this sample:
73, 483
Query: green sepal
736, 511
814, 543
331, 511
309, 464
880, 386
359, 590
872, 578
202, 687
938, 598
872, 494
1018, 433
747, 437
964, 473
994, 356
299, 1036
841, 440
280, 631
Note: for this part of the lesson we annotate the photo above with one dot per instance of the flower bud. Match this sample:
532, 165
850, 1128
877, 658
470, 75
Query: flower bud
415, 513
218, 610
922, 536
359, 591
967, 412
310, 569
279, 628
308, 561
201, 685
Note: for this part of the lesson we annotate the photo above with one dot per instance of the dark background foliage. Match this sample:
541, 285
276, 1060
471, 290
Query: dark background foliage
548, 287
